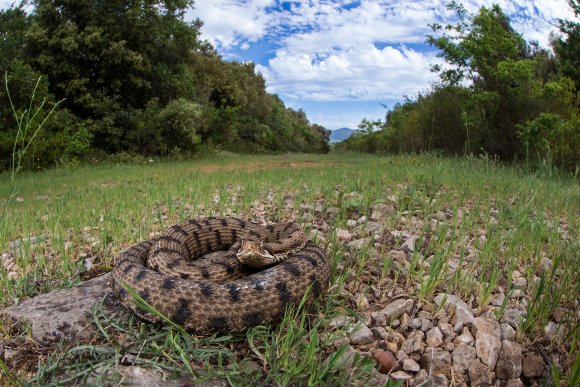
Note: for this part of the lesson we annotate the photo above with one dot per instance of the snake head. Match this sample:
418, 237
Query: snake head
254, 254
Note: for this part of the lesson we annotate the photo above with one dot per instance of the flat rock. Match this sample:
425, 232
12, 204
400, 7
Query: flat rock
487, 340
513, 317
361, 334
65, 313
509, 363
438, 362
463, 313
479, 374
397, 308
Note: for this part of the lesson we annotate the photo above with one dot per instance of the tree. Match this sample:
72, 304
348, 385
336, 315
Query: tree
568, 46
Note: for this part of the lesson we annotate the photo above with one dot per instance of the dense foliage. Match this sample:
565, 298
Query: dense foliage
132, 77
497, 94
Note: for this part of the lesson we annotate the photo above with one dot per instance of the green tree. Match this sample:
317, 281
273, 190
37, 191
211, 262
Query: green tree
568, 46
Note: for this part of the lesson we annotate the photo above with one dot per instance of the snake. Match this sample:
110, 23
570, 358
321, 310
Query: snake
266, 269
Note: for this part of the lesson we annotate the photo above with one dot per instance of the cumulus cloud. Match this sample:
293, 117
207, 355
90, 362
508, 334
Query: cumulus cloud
342, 50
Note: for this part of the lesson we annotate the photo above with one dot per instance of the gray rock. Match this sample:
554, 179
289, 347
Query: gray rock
332, 212
347, 358
414, 343
464, 338
533, 366
343, 235
551, 330
409, 244
487, 340
397, 308
438, 362
139, 376
507, 332
379, 332
411, 365
479, 374
358, 244
509, 363
400, 375
340, 321
426, 324
415, 323
515, 383
65, 313
497, 299
434, 337
361, 334
463, 313
463, 356
513, 317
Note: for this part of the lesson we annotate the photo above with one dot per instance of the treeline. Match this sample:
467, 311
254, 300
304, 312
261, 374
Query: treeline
131, 77
497, 95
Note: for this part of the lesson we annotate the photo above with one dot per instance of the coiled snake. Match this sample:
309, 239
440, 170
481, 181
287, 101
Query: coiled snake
224, 295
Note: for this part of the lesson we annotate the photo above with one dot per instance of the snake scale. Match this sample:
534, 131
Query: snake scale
222, 295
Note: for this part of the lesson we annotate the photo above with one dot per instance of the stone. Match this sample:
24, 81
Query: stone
139, 376
533, 366
397, 255
487, 340
379, 332
497, 299
415, 323
362, 220
507, 332
351, 223
479, 374
447, 329
515, 383
463, 313
438, 362
411, 365
347, 358
359, 244
343, 235
465, 338
426, 324
440, 380
332, 212
397, 308
434, 337
378, 319
414, 343
400, 375
551, 330
66, 313
463, 356
340, 321
386, 361
509, 363
409, 244
513, 317
361, 334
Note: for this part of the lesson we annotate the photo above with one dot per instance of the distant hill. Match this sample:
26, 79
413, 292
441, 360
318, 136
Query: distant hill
341, 134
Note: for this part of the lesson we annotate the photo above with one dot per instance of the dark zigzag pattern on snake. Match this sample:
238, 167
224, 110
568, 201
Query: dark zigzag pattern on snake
222, 296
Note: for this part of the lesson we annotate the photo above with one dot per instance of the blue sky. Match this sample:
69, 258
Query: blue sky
341, 61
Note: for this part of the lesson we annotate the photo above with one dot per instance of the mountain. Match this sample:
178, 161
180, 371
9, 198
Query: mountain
341, 134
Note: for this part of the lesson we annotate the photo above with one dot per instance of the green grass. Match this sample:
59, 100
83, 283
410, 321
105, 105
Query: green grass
96, 211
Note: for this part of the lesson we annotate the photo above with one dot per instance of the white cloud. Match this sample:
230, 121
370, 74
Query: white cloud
328, 50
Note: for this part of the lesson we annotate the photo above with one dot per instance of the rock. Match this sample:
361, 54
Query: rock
487, 340
378, 319
343, 235
533, 366
397, 308
400, 375
362, 220
440, 380
409, 244
551, 330
497, 299
463, 313
414, 343
464, 338
463, 356
386, 361
351, 223
346, 359
340, 321
447, 329
139, 376
507, 332
361, 334
358, 244
437, 362
362, 302
415, 323
379, 332
65, 313
397, 255
332, 212
509, 363
420, 379
513, 317
479, 374
515, 383
426, 324
411, 365
15, 244
434, 337
379, 211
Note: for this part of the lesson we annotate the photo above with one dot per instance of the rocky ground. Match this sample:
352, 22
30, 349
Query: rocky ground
435, 338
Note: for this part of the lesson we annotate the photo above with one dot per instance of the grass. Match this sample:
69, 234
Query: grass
487, 225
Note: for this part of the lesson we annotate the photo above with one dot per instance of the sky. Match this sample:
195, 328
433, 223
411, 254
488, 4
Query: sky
342, 61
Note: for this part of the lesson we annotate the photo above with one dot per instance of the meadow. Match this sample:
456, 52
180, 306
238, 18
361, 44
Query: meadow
481, 228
